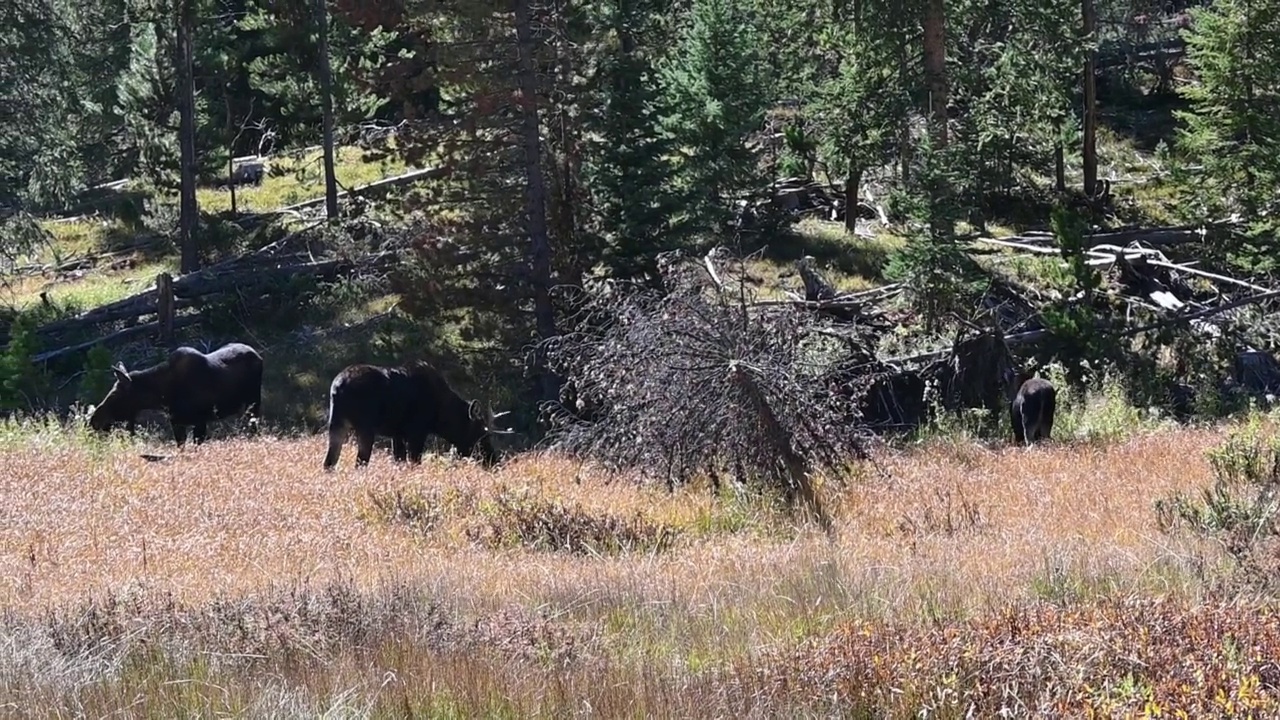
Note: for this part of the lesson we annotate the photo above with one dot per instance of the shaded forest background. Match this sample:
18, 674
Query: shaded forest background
561, 143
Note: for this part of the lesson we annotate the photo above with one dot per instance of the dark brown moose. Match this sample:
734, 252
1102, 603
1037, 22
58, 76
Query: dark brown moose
407, 404
1031, 407
190, 386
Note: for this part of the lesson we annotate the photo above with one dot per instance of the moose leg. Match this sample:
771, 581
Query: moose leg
398, 449
201, 432
337, 436
179, 434
364, 447
416, 447
255, 412
1046, 424
1015, 419
132, 427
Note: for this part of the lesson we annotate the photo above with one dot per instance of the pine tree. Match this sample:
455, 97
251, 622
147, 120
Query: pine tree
628, 169
857, 105
718, 89
1233, 126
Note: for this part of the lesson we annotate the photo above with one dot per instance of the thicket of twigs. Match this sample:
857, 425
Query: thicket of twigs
698, 378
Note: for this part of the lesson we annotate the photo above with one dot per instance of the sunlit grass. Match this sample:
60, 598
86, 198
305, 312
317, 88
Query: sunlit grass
87, 291
300, 179
285, 189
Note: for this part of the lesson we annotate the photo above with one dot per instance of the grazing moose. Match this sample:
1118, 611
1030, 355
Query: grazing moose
407, 404
190, 386
1032, 403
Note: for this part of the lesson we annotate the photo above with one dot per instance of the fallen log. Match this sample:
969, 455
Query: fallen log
1209, 312
371, 187
1036, 335
189, 289
859, 298
1211, 276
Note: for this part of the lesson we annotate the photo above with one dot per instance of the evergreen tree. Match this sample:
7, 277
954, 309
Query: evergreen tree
628, 170
1232, 128
857, 106
938, 274
717, 86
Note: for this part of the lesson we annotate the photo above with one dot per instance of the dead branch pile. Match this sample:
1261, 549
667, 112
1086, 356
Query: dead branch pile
700, 378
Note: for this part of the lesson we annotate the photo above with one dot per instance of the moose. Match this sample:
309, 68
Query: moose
192, 387
1032, 402
406, 403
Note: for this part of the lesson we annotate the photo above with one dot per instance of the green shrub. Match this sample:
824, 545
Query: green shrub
1238, 509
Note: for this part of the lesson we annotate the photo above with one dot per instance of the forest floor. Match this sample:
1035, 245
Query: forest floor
961, 577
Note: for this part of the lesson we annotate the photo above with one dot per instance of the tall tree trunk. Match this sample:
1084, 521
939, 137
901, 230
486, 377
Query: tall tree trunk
1059, 161
1090, 150
904, 81
851, 189
326, 108
935, 68
187, 208
573, 263
231, 150
535, 190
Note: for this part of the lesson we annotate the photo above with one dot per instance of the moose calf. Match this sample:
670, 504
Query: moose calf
1032, 403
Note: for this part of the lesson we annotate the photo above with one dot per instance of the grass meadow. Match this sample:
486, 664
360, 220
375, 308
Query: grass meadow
962, 579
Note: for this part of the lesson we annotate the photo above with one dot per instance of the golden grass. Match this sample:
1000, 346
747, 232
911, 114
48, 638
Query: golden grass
234, 516
954, 533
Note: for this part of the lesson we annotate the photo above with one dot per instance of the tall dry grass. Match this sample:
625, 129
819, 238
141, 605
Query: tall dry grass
238, 577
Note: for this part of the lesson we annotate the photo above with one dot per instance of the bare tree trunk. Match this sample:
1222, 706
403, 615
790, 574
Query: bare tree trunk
935, 68
1059, 162
231, 150
187, 208
535, 190
326, 107
904, 125
851, 189
1090, 150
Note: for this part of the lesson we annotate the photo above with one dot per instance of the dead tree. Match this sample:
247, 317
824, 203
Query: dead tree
698, 378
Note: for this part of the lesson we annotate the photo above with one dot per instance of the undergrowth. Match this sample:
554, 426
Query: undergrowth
1238, 510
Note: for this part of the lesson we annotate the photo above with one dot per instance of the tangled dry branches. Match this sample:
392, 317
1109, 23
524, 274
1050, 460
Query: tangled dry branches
700, 378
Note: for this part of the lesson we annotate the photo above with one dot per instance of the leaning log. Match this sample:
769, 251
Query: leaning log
189, 289
114, 338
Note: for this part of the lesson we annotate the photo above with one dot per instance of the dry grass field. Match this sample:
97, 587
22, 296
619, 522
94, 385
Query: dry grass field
239, 580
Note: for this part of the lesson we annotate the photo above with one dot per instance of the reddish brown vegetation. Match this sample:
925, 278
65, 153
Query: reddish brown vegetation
1121, 657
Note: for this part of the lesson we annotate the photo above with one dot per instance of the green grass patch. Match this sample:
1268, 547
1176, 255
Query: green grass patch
87, 292
292, 180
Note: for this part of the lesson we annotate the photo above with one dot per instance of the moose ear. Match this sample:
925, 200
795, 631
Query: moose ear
121, 374
472, 409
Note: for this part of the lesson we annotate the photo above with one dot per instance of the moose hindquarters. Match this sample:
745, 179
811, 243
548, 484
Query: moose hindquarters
1045, 426
1032, 411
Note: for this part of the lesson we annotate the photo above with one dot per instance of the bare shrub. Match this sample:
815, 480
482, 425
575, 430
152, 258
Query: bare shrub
418, 511
702, 377
519, 519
